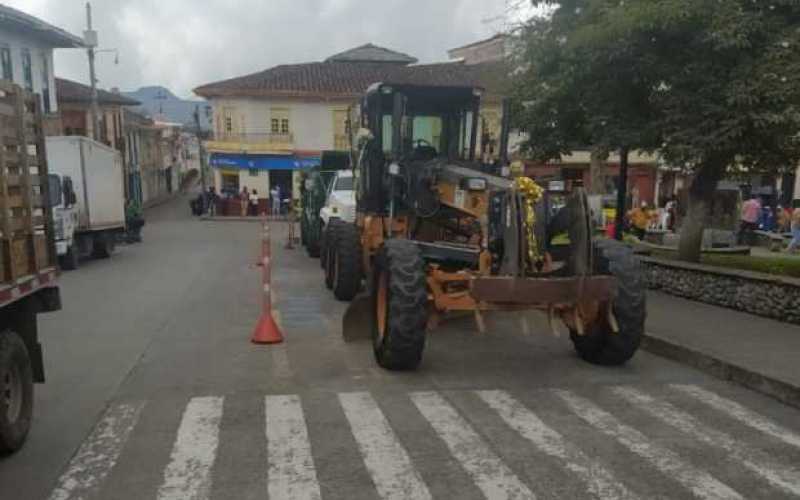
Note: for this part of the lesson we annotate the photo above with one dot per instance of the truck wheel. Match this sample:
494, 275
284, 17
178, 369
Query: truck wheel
70, 261
104, 246
303, 230
16, 392
345, 261
600, 345
400, 302
329, 251
323, 243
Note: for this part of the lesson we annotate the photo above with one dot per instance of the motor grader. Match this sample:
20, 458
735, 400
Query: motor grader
439, 232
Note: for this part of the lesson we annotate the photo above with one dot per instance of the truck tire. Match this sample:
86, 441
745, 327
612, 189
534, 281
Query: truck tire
600, 345
329, 251
16, 392
345, 261
70, 260
400, 301
104, 245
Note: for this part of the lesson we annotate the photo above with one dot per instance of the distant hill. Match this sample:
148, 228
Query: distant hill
159, 102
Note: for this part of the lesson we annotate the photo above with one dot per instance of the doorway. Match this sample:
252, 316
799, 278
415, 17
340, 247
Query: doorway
282, 178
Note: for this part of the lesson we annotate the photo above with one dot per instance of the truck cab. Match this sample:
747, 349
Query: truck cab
340, 202
65, 219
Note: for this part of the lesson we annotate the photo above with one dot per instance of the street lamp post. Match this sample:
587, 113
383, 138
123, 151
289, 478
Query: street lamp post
90, 37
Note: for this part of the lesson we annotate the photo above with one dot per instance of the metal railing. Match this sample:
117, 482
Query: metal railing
255, 138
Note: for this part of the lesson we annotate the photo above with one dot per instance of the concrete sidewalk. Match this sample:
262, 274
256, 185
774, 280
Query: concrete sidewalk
756, 352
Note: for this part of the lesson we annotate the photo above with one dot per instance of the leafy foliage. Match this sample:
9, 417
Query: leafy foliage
703, 81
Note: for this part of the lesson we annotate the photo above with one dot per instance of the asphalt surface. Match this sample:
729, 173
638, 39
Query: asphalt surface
154, 391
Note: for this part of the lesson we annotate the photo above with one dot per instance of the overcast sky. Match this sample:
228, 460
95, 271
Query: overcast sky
181, 44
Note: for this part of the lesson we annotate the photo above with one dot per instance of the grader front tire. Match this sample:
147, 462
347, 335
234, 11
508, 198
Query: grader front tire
599, 344
400, 302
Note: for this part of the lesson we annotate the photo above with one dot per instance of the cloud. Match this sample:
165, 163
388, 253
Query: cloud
185, 43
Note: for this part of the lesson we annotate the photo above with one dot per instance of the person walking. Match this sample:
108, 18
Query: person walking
795, 226
244, 201
751, 211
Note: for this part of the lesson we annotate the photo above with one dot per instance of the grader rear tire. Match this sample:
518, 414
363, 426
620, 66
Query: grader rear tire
400, 303
600, 345
346, 263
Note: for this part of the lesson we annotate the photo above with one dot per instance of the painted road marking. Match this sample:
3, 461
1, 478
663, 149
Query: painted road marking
388, 463
490, 474
758, 462
98, 454
188, 475
600, 481
740, 413
702, 484
291, 473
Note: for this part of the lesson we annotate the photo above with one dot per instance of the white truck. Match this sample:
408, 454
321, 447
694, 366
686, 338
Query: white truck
339, 211
92, 210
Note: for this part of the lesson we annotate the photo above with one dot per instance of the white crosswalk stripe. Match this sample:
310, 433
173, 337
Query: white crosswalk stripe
702, 484
784, 478
285, 461
98, 454
740, 413
491, 475
386, 460
188, 474
291, 472
601, 483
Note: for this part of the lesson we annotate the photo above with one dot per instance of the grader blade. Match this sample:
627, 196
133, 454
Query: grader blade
358, 320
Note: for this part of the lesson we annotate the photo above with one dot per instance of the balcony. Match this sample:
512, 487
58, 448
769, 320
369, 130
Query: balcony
250, 143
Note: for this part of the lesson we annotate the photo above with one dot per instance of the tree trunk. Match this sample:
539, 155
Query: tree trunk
700, 194
622, 193
597, 165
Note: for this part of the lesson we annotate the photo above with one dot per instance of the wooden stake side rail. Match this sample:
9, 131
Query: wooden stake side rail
27, 244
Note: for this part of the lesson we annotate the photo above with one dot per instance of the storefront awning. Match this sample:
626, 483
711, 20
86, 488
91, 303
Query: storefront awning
262, 162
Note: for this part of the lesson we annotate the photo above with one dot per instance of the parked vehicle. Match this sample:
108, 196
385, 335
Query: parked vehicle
91, 212
314, 196
28, 269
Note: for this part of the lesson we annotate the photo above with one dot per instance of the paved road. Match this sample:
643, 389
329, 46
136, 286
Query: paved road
155, 392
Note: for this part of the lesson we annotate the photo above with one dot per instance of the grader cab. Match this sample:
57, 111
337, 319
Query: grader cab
438, 232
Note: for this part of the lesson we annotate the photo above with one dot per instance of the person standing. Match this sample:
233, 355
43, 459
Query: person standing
276, 200
751, 211
640, 218
211, 201
254, 202
795, 227
244, 201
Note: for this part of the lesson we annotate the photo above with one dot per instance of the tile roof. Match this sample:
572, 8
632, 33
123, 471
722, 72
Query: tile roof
53, 35
372, 53
349, 80
69, 91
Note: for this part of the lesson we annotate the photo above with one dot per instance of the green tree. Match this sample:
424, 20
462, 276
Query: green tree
716, 85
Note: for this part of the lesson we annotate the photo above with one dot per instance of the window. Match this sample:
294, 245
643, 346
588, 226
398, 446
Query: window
5, 61
45, 83
228, 124
279, 121
253, 172
344, 184
27, 69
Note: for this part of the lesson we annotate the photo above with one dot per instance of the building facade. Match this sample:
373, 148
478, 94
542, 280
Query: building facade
26, 58
269, 126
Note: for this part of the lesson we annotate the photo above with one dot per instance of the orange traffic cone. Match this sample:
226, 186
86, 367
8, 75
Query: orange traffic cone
266, 330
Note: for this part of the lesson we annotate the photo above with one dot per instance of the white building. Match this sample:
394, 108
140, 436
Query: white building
26, 53
269, 125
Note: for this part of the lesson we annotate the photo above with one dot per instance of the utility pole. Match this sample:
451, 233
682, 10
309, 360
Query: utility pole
90, 37
200, 149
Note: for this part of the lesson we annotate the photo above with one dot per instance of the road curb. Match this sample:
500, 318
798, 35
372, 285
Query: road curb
784, 392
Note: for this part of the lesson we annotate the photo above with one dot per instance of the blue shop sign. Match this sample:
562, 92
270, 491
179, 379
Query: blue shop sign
262, 162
